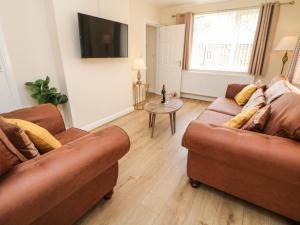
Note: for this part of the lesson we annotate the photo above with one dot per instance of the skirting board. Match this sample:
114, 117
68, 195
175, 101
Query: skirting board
198, 97
108, 119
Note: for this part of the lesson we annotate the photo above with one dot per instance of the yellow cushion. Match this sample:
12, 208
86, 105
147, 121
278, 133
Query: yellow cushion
244, 95
241, 119
41, 138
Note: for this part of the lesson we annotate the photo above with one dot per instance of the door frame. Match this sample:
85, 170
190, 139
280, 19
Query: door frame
157, 26
8, 72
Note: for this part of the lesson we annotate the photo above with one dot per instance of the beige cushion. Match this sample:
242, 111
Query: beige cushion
278, 89
257, 99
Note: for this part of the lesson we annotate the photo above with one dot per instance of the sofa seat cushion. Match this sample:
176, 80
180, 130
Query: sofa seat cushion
46, 116
70, 135
215, 118
225, 106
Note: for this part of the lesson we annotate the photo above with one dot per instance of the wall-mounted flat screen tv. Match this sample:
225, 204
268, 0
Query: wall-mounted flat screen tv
101, 38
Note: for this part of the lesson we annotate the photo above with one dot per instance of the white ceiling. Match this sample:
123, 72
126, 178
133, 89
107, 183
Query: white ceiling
164, 3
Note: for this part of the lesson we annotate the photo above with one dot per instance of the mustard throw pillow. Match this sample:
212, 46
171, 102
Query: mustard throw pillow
41, 138
244, 95
241, 119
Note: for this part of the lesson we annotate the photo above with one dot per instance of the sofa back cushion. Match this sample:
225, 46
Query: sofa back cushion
285, 117
46, 116
9, 156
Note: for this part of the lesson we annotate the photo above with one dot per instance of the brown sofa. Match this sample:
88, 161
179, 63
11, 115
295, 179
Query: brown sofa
60, 186
257, 167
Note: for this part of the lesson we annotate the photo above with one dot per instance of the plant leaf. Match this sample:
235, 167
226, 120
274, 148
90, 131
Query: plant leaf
43, 94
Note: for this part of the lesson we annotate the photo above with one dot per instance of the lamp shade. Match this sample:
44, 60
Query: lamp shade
139, 64
287, 43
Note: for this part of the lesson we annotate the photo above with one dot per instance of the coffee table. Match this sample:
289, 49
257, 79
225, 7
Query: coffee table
156, 107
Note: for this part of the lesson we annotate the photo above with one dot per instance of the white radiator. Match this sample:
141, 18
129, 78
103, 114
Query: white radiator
211, 84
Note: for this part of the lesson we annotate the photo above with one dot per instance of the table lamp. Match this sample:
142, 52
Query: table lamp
286, 44
139, 65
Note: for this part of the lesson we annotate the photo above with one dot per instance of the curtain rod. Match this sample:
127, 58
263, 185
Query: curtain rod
283, 3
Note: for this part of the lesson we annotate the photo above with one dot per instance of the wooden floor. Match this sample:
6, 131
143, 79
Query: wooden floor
153, 187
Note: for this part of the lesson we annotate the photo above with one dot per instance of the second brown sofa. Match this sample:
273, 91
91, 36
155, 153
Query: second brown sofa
256, 167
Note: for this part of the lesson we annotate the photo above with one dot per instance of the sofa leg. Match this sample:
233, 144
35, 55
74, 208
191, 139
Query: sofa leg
108, 195
195, 183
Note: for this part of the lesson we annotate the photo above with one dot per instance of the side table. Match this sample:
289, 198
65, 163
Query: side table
139, 92
171, 107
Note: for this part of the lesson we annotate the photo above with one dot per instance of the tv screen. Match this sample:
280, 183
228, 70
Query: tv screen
100, 38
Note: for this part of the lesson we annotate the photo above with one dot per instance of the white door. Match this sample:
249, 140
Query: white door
171, 44
9, 99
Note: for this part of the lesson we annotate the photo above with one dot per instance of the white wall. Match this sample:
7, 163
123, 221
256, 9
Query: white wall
29, 41
25, 28
288, 24
97, 88
42, 39
141, 14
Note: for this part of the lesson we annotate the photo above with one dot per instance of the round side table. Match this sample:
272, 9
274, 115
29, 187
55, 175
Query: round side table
171, 107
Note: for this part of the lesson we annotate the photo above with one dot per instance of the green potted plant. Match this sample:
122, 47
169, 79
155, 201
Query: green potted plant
44, 94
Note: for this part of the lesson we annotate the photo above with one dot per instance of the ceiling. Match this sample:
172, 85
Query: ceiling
164, 3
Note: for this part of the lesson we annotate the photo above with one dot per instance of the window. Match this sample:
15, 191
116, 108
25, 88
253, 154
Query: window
223, 41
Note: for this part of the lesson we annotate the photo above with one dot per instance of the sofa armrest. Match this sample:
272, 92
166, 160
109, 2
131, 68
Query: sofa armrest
46, 115
271, 156
234, 89
38, 185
